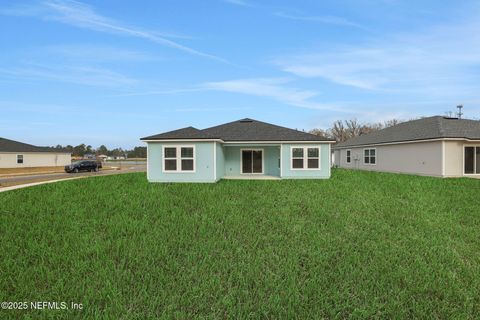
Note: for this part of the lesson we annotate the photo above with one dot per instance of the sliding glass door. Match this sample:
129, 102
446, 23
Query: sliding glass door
252, 161
472, 160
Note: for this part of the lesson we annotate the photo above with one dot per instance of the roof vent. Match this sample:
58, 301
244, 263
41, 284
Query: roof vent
246, 120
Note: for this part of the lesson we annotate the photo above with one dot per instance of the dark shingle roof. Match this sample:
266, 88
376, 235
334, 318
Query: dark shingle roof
184, 133
436, 127
240, 130
7, 145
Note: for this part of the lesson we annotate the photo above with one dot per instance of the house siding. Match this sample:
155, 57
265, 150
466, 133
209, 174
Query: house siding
34, 159
421, 158
220, 156
204, 163
322, 173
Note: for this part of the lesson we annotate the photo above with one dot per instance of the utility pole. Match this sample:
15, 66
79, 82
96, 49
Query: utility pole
460, 113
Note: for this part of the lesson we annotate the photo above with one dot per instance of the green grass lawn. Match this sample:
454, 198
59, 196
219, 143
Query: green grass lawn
360, 245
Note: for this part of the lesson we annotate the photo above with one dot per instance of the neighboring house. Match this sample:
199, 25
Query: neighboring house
116, 158
242, 149
14, 154
102, 157
435, 146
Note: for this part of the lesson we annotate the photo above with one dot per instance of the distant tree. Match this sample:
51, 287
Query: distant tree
339, 131
89, 150
102, 150
317, 132
138, 152
79, 150
391, 123
347, 129
353, 128
117, 152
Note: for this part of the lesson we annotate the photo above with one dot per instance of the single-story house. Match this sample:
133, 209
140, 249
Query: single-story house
434, 146
102, 157
14, 154
243, 149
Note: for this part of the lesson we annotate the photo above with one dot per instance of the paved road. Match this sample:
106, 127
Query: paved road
56, 176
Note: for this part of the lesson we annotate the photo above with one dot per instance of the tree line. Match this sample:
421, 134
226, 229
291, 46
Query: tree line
83, 149
343, 130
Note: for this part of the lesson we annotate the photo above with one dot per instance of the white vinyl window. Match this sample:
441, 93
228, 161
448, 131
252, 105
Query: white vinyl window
370, 156
305, 158
178, 159
19, 158
349, 156
297, 158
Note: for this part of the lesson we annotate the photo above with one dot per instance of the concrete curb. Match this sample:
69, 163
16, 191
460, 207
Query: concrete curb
20, 186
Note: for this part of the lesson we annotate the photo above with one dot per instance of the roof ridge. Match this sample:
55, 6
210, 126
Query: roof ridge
441, 129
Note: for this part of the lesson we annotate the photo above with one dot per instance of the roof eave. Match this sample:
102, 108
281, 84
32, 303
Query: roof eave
405, 141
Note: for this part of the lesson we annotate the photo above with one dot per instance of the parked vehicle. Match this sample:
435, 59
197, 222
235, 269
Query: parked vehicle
82, 165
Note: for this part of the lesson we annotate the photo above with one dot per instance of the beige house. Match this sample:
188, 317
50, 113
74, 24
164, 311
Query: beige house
435, 146
14, 154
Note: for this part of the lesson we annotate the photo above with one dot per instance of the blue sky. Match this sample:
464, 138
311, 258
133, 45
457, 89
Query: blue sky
110, 72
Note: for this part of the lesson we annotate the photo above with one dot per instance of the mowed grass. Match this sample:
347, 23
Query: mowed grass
360, 245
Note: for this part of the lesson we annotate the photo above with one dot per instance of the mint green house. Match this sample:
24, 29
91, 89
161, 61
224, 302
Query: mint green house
243, 149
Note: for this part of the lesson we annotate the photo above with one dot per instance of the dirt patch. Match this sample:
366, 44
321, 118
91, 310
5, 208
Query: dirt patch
31, 170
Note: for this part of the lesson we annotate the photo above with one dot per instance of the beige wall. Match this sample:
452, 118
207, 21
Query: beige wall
454, 165
9, 160
422, 158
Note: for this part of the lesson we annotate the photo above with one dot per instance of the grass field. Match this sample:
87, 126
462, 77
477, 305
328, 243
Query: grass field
360, 245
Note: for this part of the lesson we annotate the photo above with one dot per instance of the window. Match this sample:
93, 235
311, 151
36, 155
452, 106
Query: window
472, 160
19, 158
349, 156
179, 159
313, 160
370, 156
170, 159
187, 158
297, 158
305, 158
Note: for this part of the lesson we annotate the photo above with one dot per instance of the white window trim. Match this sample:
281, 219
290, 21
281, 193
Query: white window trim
474, 160
376, 157
347, 156
305, 158
252, 149
179, 159
23, 159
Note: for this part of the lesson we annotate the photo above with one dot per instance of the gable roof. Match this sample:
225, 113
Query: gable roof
240, 130
436, 127
7, 145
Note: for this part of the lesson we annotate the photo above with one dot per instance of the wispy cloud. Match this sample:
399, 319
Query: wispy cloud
333, 20
437, 62
238, 2
92, 52
273, 88
80, 15
159, 92
84, 75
